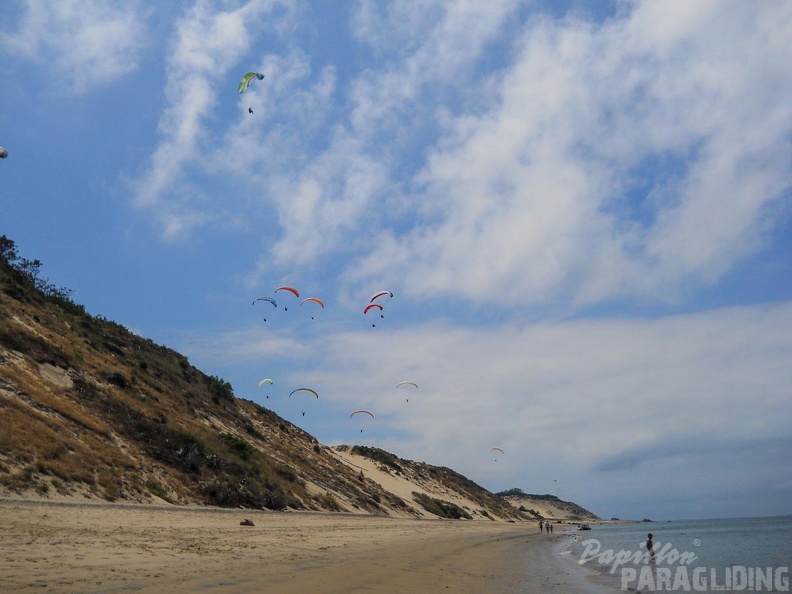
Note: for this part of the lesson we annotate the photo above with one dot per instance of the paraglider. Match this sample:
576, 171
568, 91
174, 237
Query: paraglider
407, 383
379, 294
309, 390
270, 299
3, 153
250, 110
266, 380
361, 412
496, 450
373, 306
245, 82
315, 300
291, 290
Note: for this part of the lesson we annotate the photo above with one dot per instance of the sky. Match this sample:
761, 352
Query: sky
583, 211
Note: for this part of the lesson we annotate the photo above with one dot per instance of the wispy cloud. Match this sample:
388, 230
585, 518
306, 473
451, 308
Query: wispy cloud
82, 44
595, 161
207, 43
621, 159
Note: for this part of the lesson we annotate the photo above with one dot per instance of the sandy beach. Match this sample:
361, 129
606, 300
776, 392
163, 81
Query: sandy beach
97, 547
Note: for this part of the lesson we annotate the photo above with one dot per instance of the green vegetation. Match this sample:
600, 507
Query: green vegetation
221, 390
378, 455
238, 445
158, 490
121, 388
438, 507
521, 493
25, 282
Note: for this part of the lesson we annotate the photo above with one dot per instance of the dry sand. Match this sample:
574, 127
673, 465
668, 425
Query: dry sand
89, 547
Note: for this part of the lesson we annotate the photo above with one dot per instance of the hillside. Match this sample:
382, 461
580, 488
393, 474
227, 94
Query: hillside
91, 411
547, 506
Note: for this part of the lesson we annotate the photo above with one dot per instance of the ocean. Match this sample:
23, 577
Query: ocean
728, 555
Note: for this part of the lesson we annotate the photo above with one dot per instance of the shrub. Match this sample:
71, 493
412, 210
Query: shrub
238, 445
378, 455
158, 490
220, 389
438, 507
117, 379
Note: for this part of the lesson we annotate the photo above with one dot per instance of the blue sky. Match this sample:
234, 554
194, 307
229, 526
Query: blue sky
583, 211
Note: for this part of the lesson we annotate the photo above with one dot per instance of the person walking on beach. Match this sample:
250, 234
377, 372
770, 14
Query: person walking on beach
650, 547
541, 526
551, 527
547, 526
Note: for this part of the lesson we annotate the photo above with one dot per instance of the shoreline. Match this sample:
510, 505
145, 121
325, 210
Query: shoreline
591, 580
107, 547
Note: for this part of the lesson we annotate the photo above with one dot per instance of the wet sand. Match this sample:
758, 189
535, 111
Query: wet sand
85, 547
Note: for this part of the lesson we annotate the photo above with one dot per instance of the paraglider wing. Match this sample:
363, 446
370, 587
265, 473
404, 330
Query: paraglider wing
496, 450
408, 383
245, 82
3, 153
379, 294
266, 380
358, 412
368, 307
304, 390
314, 299
289, 289
270, 299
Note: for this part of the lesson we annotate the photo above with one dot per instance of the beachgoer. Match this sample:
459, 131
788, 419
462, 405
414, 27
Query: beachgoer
650, 547
547, 526
551, 528
541, 526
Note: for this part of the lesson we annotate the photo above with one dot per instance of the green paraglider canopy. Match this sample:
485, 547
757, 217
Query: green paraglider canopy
245, 82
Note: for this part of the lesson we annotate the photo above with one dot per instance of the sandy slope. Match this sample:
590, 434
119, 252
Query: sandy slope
404, 485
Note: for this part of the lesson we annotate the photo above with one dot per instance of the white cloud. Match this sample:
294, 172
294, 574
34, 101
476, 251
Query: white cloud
620, 159
85, 43
573, 162
335, 200
584, 401
206, 45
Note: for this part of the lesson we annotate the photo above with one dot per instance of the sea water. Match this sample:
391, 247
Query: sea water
728, 555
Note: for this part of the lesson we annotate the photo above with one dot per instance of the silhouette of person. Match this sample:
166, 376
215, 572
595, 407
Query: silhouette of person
650, 547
